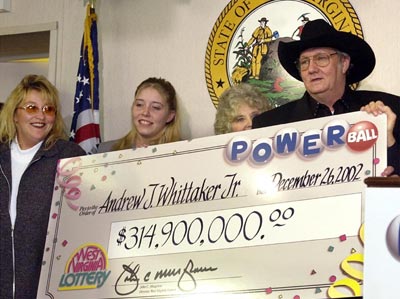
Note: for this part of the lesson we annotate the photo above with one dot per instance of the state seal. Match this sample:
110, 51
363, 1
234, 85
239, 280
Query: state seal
242, 46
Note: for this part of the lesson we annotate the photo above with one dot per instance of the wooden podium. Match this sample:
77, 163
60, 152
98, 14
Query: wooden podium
382, 218
387, 182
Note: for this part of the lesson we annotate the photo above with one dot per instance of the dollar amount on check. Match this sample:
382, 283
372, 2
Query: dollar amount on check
231, 228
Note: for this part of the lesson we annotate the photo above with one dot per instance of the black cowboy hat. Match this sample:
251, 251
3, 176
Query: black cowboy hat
263, 19
318, 33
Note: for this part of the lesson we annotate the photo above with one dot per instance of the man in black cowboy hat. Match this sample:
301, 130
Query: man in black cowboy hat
328, 61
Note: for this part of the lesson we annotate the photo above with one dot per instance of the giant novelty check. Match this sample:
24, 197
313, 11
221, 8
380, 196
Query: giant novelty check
267, 213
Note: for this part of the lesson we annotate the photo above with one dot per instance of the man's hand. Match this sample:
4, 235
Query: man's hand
388, 171
377, 108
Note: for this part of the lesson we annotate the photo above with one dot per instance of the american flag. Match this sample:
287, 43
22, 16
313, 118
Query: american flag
85, 127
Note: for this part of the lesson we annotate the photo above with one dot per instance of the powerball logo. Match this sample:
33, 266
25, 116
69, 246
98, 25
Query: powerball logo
86, 268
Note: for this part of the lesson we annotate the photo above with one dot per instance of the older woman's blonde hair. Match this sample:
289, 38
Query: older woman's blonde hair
172, 130
230, 101
49, 94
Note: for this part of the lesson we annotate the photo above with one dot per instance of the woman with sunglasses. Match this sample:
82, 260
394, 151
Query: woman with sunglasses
32, 140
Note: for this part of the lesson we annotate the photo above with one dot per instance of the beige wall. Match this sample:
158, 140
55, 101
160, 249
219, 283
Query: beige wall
168, 38
11, 74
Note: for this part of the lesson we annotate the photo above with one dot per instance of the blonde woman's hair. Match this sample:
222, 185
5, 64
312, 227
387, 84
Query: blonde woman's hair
49, 94
172, 130
231, 99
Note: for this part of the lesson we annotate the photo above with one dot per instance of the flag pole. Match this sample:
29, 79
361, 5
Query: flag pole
85, 126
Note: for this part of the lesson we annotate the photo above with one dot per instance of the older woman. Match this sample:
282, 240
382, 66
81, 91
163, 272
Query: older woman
32, 140
237, 107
